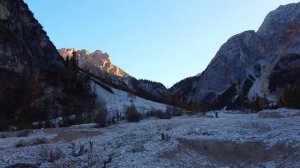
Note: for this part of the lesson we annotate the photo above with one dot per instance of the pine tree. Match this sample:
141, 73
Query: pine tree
291, 97
7, 107
72, 72
58, 80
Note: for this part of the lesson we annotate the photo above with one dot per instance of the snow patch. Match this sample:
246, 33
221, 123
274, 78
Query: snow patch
120, 100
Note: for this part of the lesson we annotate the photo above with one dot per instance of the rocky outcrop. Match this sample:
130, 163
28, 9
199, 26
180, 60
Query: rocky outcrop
246, 61
33, 83
92, 61
24, 46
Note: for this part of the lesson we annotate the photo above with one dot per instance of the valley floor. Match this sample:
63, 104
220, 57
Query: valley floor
270, 138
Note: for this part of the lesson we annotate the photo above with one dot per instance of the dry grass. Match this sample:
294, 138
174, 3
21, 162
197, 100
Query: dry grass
224, 153
22, 133
39, 141
67, 135
36, 141
21, 143
160, 114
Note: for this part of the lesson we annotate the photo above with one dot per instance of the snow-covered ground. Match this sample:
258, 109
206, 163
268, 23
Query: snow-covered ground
270, 138
119, 100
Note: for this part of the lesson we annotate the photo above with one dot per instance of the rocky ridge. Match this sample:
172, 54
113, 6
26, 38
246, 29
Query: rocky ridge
247, 60
94, 60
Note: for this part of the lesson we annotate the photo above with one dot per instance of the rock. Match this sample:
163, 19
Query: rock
24, 45
97, 59
246, 61
4, 13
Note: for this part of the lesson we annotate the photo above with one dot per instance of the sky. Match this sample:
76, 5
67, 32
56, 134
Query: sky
159, 40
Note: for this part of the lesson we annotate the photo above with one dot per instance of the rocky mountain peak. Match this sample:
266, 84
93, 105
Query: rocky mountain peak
280, 20
244, 64
93, 61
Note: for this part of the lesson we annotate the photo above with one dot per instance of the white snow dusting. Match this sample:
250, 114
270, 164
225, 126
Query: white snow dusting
120, 100
270, 138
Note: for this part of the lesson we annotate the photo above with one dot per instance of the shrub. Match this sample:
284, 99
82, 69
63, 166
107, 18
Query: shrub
156, 113
101, 117
44, 153
260, 103
39, 141
176, 111
164, 137
257, 105
290, 97
132, 114
165, 115
170, 111
55, 154
48, 154
21, 143
100, 114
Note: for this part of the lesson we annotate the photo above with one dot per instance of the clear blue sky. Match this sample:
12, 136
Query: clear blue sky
159, 40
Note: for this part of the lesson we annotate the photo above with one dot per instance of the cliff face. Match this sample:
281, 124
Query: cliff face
92, 61
24, 46
32, 73
246, 61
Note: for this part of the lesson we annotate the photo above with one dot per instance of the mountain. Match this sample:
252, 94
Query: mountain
93, 61
25, 47
99, 65
115, 88
184, 86
33, 76
241, 69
